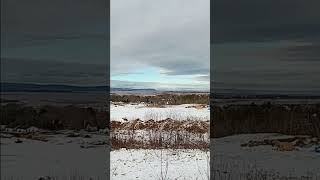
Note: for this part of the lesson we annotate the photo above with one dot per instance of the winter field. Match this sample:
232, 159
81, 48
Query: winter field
147, 147
232, 160
166, 142
159, 164
156, 142
120, 111
59, 155
236, 157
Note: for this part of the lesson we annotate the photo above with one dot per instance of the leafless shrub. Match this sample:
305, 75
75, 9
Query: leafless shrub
166, 133
292, 119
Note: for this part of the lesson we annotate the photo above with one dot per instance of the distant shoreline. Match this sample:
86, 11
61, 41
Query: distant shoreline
56, 88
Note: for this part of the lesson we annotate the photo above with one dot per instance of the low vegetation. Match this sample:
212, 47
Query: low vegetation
292, 119
163, 99
15, 115
166, 133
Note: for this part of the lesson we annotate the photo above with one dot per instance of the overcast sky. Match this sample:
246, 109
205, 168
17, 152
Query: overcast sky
54, 42
266, 45
154, 44
160, 44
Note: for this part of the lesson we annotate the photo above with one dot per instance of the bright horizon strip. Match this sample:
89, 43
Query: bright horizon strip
160, 45
160, 80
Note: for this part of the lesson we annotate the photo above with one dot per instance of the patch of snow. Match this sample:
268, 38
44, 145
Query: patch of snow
60, 157
141, 111
227, 152
33, 129
159, 164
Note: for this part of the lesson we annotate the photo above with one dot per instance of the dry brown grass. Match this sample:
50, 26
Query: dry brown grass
154, 144
166, 133
199, 127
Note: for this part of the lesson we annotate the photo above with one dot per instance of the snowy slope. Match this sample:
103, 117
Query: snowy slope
157, 164
141, 111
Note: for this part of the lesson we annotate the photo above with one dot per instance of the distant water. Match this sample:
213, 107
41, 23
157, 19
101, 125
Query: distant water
137, 92
57, 98
154, 92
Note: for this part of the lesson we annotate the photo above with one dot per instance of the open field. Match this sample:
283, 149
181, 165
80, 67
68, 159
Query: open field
268, 139
54, 135
231, 160
121, 111
153, 141
64, 154
159, 141
159, 164
66, 140
169, 126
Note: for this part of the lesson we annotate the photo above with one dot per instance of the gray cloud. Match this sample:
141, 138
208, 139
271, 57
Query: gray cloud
305, 51
250, 20
53, 72
25, 22
271, 66
203, 78
265, 44
53, 17
169, 35
62, 41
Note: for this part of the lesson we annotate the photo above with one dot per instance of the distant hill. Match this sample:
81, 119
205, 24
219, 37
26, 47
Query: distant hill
153, 91
217, 93
28, 87
248, 93
25, 87
129, 89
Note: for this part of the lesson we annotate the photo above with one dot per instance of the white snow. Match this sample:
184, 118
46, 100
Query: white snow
159, 164
141, 111
60, 157
230, 156
146, 164
33, 129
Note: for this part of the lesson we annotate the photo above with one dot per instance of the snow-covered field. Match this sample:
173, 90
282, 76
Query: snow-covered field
85, 156
229, 157
141, 111
169, 163
160, 164
65, 156
60, 157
